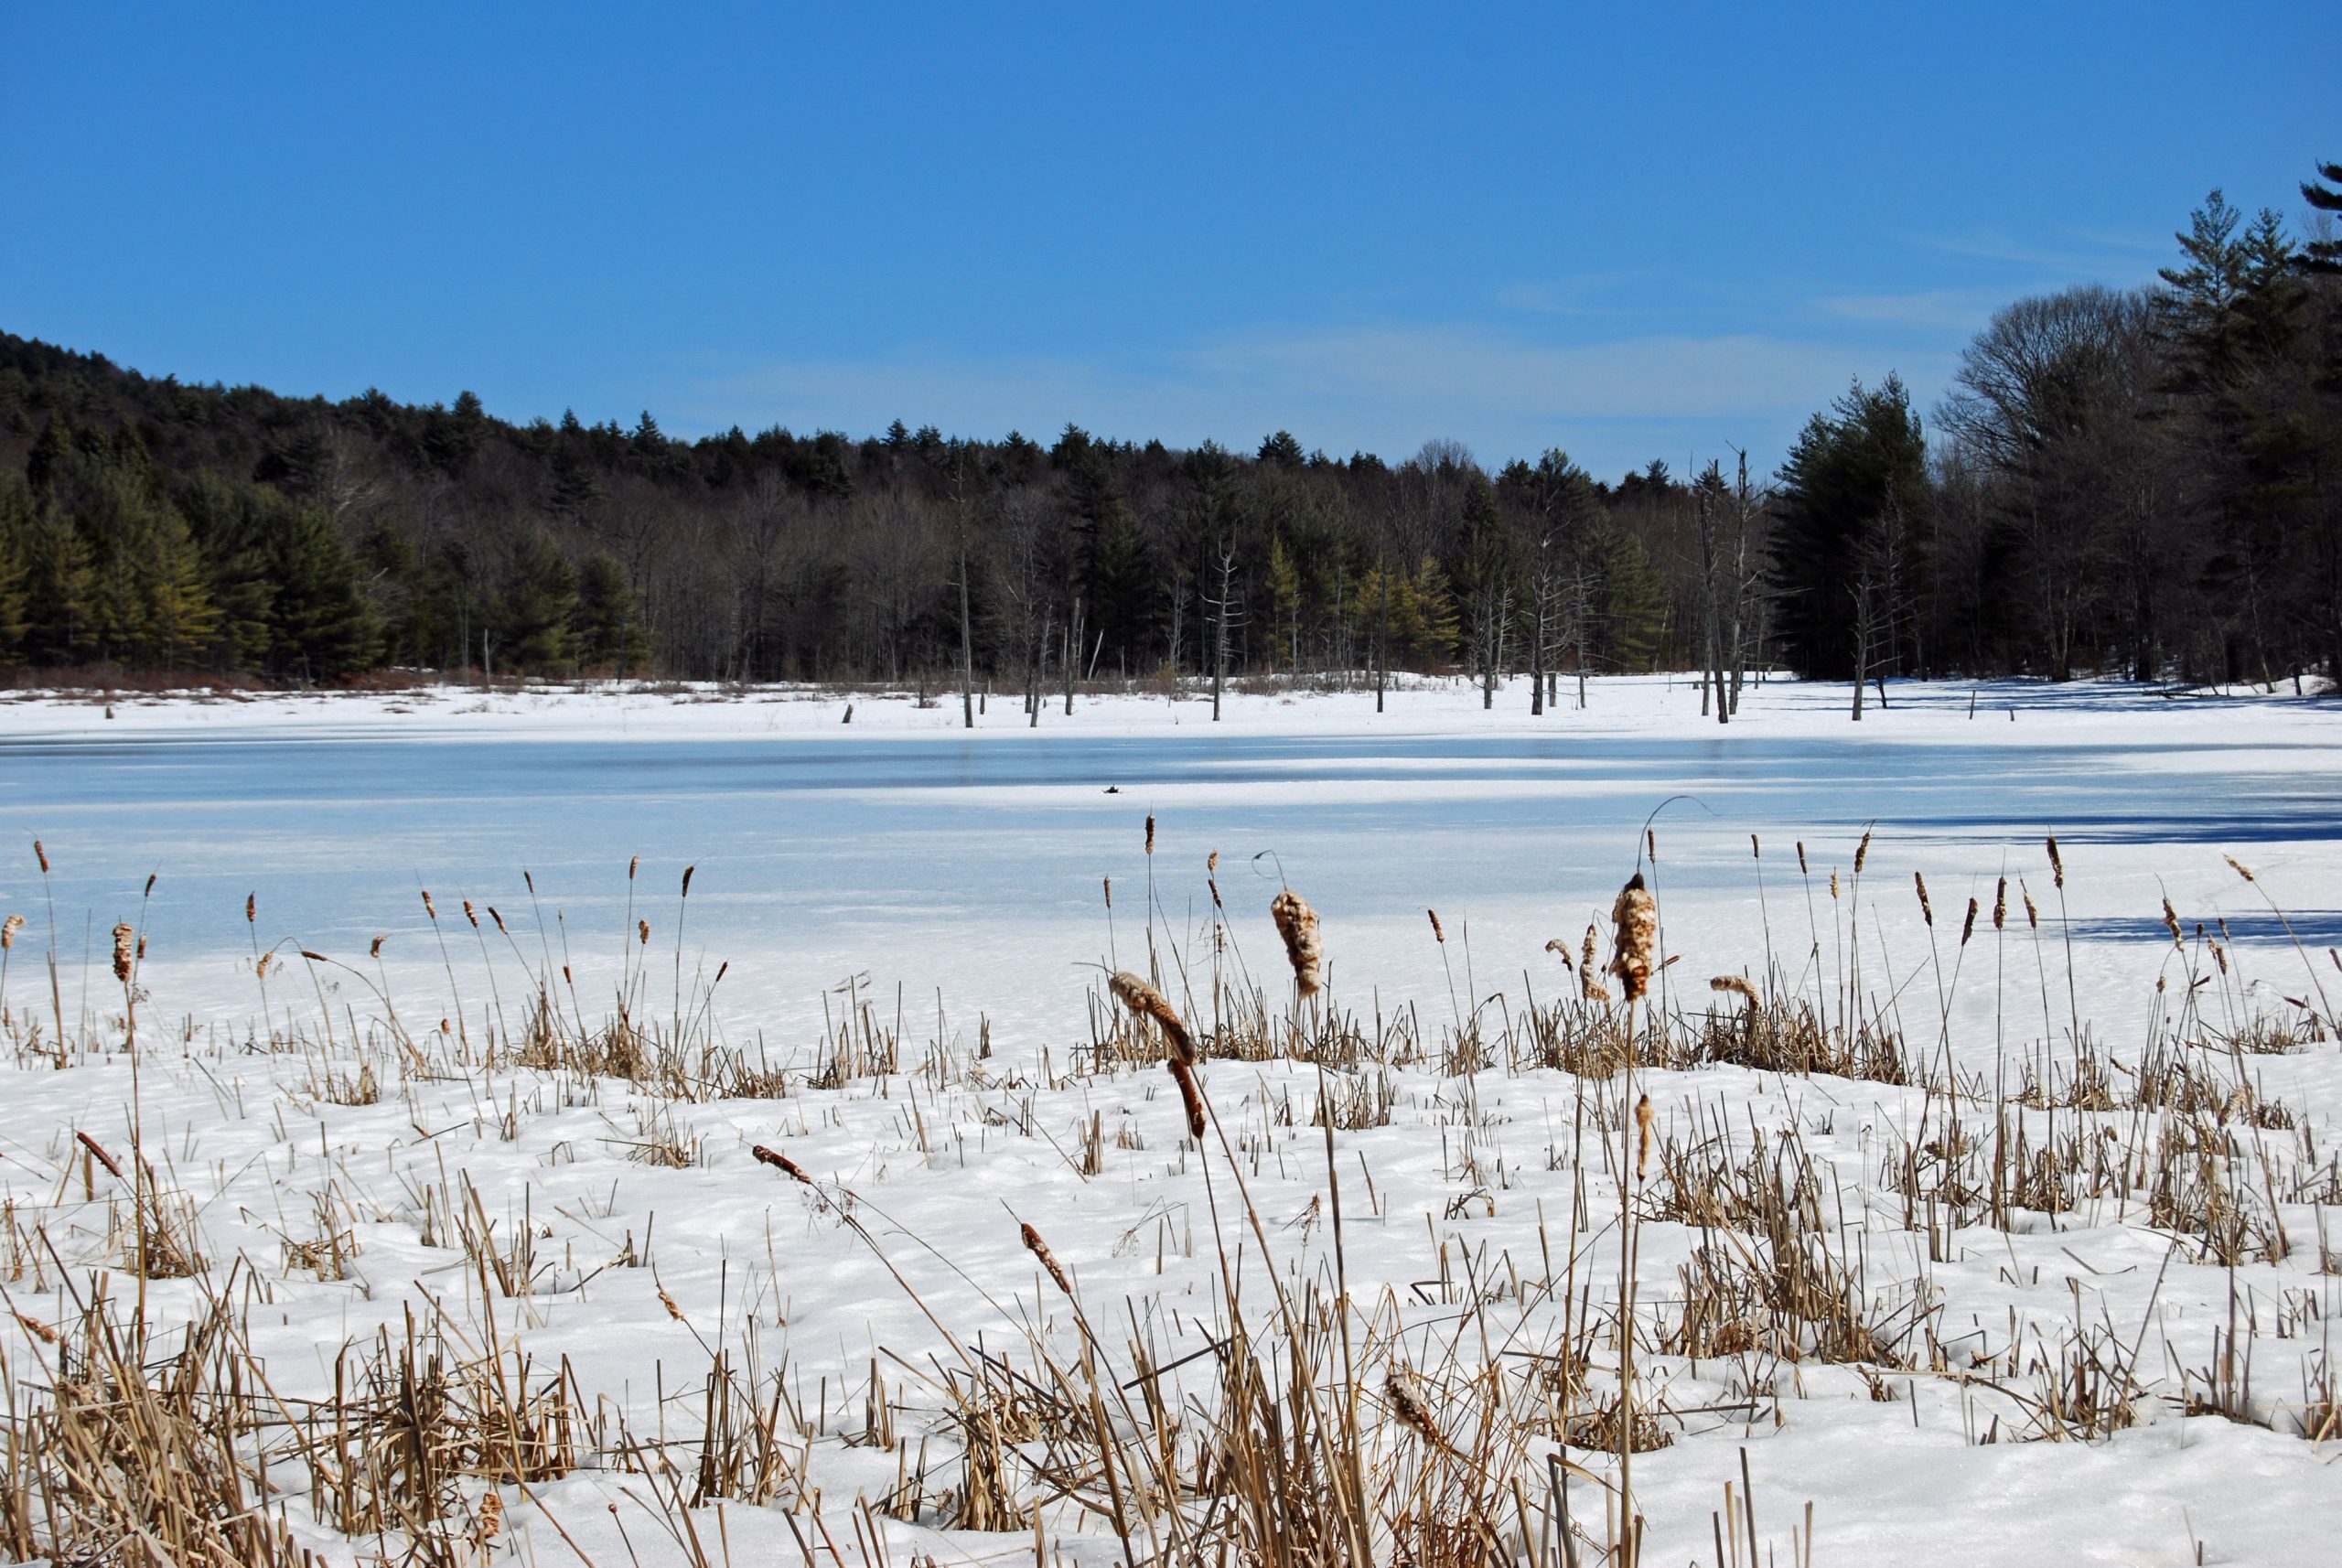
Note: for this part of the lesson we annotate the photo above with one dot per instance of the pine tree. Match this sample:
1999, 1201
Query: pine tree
15, 529
540, 603
609, 631
321, 627
1859, 463
228, 526
58, 626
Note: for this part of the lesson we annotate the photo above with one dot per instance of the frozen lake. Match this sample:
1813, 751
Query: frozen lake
932, 857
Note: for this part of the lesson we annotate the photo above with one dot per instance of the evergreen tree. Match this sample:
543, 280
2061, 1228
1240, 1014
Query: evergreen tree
321, 627
59, 627
540, 604
228, 522
608, 630
16, 530
1854, 469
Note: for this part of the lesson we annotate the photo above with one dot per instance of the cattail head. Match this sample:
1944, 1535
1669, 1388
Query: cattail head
498, 919
1145, 1002
1150, 832
1735, 985
1213, 883
8, 930
1644, 1117
1926, 910
2001, 905
632, 867
428, 907
1560, 950
1109, 894
1967, 927
42, 856
314, 956
780, 1163
252, 907
1412, 1404
642, 932
124, 946
1650, 838
260, 966
2057, 862
1756, 850
1586, 984
1297, 924
687, 879
2237, 866
150, 883
471, 915
39, 1330
375, 949
489, 1524
2032, 914
1802, 869
1191, 1096
1636, 915
1211, 863
1862, 852
1438, 934
1049, 1259
669, 1303
2171, 924
1833, 887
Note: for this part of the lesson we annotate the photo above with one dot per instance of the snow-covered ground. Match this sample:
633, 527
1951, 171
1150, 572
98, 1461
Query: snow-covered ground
957, 883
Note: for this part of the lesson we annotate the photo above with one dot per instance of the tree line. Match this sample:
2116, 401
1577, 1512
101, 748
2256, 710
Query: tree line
2145, 482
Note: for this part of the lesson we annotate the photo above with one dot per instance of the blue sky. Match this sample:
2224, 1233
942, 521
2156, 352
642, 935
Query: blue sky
1632, 232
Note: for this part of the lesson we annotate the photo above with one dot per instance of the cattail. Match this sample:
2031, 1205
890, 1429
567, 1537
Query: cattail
1150, 834
468, 914
428, 907
1145, 1002
1636, 915
260, 968
498, 919
2057, 862
642, 932
1862, 852
721, 970
2237, 866
142, 947
123, 938
1049, 1259
1595, 990
1586, 985
687, 879
1802, 870
1967, 927
42, 856
314, 956
489, 1523
1412, 1404
252, 907
1560, 950
1756, 850
1110, 895
1926, 910
1833, 887
2001, 905
2220, 955
2171, 924
2032, 914
1644, 1117
1211, 863
1191, 1095
1213, 883
780, 1163
1297, 924
632, 867
374, 948
8, 930
98, 1151
39, 1330
1438, 935
669, 1303
1736, 986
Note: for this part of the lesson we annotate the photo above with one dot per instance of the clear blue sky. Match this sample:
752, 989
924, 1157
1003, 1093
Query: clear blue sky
1628, 230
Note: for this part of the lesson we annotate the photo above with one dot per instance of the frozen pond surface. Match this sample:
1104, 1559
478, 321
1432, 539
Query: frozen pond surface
932, 857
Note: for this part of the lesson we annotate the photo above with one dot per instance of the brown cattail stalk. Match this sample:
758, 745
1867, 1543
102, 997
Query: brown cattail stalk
1756, 850
780, 1163
1636, 915
1926, 910
260, 965
1560, 950
1586, 985
2057, 862
1412, 1404
1644, 1117
1191, 1095
252, 907
2239, 867
1297, 924
1438, 934
687, 879
42, 856
490, 1523
1802, 870
125, 940
498, 919
642, 932
314, 956
1967, 927
2001, 905
97, 1152
374, 949
8, 930
2032, 914
1145, 1002
428, 907
1862, 852
2171, 924
468, 914
1734, 985
1150, 844
1049, 1259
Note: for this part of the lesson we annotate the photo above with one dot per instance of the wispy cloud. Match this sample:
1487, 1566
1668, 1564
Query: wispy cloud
1579, 294
1961, 308
1615, 403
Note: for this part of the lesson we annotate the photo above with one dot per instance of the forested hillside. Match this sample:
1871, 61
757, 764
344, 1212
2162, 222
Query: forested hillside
2147, 483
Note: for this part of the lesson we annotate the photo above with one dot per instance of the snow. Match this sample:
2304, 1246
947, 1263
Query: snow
947, 876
